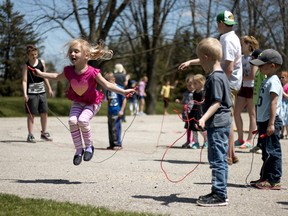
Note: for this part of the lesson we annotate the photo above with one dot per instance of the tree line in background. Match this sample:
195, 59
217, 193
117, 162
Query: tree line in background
149, 37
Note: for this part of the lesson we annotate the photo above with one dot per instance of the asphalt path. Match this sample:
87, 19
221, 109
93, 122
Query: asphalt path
152, 173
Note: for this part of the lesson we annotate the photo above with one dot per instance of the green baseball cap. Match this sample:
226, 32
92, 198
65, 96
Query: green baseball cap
226, 17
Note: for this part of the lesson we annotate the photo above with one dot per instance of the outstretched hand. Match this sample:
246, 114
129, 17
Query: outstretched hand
35, 71
184, 65
130, 92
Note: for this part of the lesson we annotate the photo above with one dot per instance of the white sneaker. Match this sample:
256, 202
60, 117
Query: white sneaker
256, 150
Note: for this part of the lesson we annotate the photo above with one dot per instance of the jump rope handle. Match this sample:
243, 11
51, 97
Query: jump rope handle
262, 136
30, 68
132, 93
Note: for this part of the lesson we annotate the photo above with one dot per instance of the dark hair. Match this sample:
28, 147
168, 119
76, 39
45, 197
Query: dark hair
255, 53
30, 48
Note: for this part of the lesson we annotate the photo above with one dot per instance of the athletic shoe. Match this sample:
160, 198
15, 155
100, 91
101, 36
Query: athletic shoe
211, 200
195, 145
117, 147
205, 145
187, 145
238, 142
204, 197
88, 155
208, 195
31, 139
245, 145
78, 158
253, 183
46, 136
256, 150
266, 185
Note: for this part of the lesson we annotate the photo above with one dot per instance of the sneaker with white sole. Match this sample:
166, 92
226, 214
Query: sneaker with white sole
256, 150
266, 185
46, 136
187, 145
31, 138
245, 145
196, 145
211, 200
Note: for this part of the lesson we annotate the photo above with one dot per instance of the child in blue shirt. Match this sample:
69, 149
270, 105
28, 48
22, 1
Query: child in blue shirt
269, 124
116, 106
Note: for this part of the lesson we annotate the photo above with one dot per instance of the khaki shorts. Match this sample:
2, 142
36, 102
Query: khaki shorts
233, 97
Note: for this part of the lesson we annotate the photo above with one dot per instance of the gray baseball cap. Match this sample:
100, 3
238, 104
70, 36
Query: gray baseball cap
267, 56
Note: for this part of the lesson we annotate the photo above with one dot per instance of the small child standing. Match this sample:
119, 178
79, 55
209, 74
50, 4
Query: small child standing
197, 111
187, 102
269, 123
216, 119
142, 94
82, 91
116, 106
165, 93
132, 100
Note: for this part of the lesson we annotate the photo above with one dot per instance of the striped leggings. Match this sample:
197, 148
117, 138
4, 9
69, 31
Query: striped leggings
79, 123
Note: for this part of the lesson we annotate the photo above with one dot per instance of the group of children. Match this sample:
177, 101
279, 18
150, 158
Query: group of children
207, 102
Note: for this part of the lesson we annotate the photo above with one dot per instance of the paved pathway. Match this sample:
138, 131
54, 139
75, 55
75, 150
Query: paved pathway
130, 179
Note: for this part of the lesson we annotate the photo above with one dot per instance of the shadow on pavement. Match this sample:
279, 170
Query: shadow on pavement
166, 200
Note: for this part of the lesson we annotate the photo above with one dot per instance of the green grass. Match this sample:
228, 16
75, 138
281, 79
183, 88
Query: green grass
15, 107
11, 205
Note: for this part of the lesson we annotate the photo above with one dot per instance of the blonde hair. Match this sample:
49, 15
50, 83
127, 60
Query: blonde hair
118, 68
94, 52
210, 47
251, 41
200, 79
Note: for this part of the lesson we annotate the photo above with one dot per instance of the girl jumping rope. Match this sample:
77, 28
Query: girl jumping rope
82, 91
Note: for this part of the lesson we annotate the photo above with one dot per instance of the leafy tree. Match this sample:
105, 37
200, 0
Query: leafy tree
15, 34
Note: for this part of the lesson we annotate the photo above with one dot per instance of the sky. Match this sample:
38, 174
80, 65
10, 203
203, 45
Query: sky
54, 41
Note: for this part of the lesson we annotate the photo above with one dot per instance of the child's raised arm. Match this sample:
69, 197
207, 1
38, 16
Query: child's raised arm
53, 76
110, 86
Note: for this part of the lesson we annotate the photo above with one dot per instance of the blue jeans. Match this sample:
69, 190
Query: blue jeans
271, 152
217, 157
114, 130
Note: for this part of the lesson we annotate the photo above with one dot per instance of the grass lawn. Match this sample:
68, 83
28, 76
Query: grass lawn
11, 205
15, 107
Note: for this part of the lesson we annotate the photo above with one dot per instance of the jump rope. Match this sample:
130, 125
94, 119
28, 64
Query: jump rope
185, 107
158, 140
124, 133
